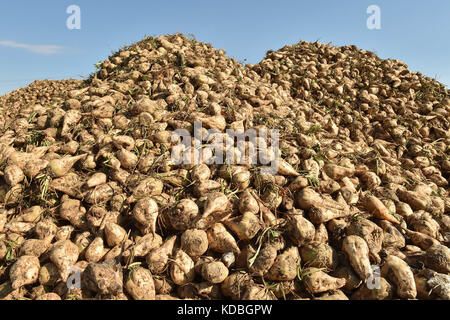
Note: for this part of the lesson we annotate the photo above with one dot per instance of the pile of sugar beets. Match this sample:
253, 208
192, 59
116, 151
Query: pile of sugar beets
96, 205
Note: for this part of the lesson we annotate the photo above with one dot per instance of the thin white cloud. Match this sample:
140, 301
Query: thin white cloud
35, 48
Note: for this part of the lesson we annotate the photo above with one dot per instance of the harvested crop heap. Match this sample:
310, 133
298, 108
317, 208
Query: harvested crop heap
359, 208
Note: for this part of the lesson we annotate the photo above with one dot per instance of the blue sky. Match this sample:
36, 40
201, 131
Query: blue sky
36, 44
